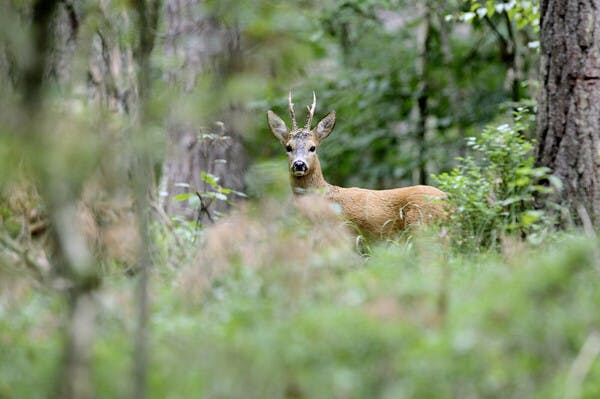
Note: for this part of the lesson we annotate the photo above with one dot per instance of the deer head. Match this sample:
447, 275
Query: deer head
301, 143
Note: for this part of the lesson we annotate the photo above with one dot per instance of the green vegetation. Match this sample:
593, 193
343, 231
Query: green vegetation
411, 321
273, 297
492, 192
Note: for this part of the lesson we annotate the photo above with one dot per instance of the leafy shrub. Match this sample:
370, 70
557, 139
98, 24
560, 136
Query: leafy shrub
494, 188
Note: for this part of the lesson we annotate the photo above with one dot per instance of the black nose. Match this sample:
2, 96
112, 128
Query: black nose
299, 166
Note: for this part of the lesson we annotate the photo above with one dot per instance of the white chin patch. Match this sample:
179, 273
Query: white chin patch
299, 173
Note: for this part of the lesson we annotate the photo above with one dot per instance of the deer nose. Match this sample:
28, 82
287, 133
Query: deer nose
299, 166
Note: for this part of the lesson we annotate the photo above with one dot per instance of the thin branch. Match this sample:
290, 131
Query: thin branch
512, 55
582, 365
164, 218
588, 229
37, 268
148, 14
204, 208
499, 35
509, 27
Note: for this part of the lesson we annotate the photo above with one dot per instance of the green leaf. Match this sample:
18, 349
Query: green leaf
555, 182
240, 194
210, 179
528, 218
194, 201
490, 5
220, 196
522, 181
183, 196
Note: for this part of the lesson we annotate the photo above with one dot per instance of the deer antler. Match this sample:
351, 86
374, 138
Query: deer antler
292, 113
311, 112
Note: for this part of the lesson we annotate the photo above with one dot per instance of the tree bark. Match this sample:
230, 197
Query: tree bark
421, 108
569, 101
54, 31
148, 16
201, 45
111, 76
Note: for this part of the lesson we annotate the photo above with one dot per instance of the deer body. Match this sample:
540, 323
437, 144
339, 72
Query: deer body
376, 213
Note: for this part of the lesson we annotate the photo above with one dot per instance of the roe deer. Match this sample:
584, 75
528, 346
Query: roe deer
376, 213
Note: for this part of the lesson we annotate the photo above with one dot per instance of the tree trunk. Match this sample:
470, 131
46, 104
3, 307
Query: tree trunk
201, 45
569, 101
54, 31
111, 77
421, 108
147, 16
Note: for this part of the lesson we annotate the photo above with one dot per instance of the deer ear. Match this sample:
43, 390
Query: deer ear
325, 126
277, 126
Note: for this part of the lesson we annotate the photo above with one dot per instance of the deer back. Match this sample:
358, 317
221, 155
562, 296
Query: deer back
381, 213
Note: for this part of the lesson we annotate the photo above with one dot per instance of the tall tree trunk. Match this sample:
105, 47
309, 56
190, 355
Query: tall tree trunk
201, 45
111, 76
421, 108
54, 32
148, 16
569, 101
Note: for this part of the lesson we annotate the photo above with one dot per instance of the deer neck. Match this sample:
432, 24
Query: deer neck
312, 181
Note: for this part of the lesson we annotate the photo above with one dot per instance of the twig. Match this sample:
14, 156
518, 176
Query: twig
582, 365
164, 218
586, 221
204, 209
509, 28
499, 35
37, 268
588, 229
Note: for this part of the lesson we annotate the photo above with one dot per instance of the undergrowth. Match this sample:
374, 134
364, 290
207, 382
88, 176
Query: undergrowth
496, 191
411, 322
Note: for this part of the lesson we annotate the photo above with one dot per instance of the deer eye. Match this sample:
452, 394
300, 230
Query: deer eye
312, 149
288, 148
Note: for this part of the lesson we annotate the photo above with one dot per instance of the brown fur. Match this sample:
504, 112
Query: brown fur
376, 213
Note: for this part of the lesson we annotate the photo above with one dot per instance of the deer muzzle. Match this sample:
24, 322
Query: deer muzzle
299, 168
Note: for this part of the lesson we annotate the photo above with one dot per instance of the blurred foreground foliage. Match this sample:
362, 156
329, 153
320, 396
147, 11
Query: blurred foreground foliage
273, 300
292, 312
